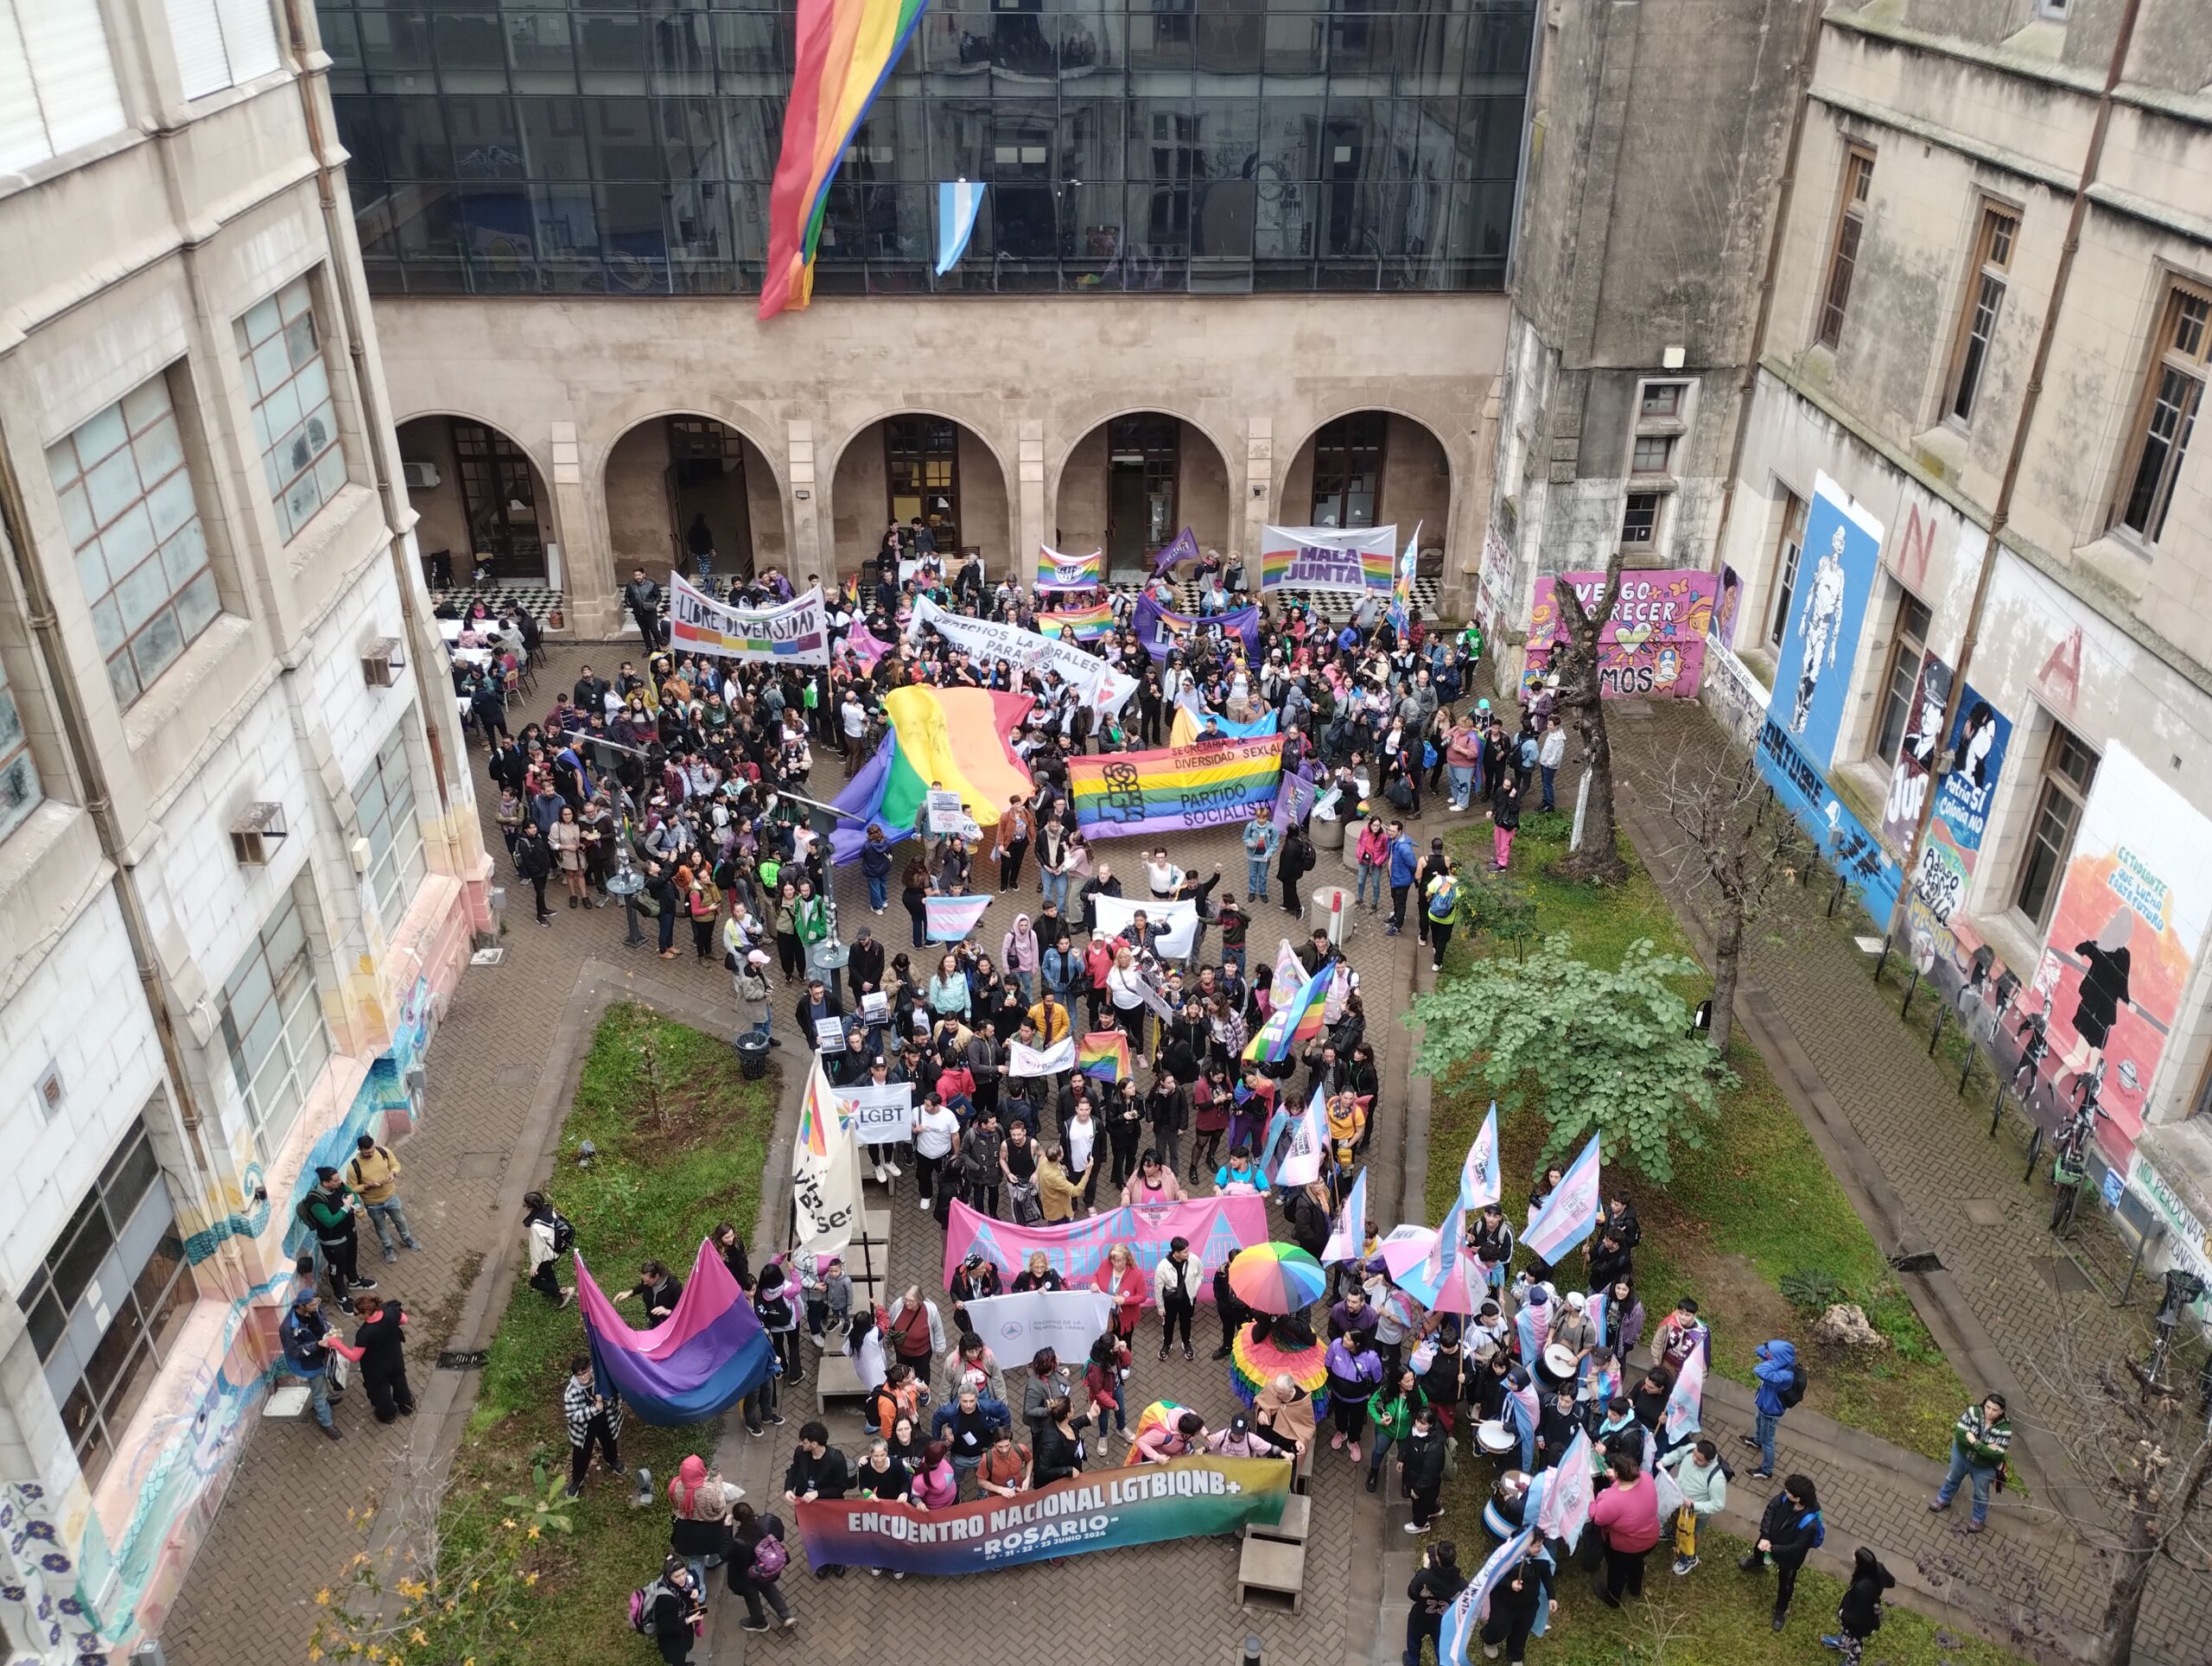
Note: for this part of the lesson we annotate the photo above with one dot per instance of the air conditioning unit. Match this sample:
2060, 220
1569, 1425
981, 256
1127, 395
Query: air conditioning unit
419, 474
357, 852
382, 661
254, 835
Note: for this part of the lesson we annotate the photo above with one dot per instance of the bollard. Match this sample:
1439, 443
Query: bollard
1911, 987
1251, 1649
1943, 1011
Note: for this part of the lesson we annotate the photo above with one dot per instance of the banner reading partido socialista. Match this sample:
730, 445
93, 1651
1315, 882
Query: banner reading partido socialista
1213, 784
1110, 1510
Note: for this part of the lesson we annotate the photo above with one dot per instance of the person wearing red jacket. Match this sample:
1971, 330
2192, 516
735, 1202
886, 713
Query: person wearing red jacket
1119, 1277
1627, 1514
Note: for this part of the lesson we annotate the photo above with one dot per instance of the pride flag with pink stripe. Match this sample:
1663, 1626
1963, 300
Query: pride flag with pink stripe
697, 1363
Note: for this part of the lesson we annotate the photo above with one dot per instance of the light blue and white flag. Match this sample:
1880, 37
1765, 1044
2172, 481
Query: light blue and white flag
1480, 1183
1570, 1213
1471, 1607
950, 920
958, 205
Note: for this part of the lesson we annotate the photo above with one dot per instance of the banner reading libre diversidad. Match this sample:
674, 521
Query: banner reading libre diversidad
1212, 784
797, 629
1185, 1498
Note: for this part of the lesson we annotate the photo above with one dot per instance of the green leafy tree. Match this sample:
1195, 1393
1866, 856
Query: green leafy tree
1595, 1051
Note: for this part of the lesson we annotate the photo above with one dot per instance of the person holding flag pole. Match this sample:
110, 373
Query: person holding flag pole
1570, 1214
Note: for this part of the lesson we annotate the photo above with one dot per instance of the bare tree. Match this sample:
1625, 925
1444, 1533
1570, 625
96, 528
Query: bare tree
1575, 664
1737, 845
2142, 1462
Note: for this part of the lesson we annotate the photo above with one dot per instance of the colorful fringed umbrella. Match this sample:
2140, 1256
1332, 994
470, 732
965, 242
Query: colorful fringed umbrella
1276, 1278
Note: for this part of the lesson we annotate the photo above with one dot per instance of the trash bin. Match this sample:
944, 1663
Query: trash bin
1331, 910
1327, 832
752, 1057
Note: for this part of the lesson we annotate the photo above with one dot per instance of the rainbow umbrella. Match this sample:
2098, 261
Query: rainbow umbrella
1276, 1278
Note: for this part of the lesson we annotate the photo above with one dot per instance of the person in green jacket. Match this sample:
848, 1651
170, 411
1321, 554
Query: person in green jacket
1979, 1442
329, 1213
1392, 1411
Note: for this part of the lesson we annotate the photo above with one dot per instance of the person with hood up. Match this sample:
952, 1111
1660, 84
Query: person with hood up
1790, 1529
1430, 1593
1781, 1385
1859, 1616
1021, 956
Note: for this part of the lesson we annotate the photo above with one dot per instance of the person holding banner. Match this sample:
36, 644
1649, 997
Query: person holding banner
1516, 1602
1431, 1592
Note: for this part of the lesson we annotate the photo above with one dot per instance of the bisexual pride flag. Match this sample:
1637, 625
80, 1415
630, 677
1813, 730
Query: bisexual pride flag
696, 1363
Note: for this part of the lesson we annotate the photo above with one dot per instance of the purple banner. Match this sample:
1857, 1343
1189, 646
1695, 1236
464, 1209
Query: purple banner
1156, 625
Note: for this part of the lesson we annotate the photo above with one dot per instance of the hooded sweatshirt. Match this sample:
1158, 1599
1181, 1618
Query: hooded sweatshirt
1776, 1361
1020, 952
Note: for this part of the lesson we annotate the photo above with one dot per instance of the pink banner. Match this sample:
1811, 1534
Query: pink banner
1216, 1227
1653, 644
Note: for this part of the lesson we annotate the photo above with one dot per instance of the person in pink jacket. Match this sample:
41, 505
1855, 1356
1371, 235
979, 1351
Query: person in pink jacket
1627, 1514
1020, 954
1374, 853
1119, 1277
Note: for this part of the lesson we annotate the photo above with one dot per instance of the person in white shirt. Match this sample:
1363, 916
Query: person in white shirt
1079, 1134
1163, 875
1550, 755
934, 1130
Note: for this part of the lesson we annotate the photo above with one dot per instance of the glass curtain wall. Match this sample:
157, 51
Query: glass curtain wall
1177, 146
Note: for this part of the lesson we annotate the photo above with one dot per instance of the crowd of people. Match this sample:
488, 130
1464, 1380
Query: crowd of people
695, 774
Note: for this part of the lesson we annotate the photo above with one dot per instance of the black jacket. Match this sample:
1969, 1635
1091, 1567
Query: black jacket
1787, 1531
1431, 1589
1861, 1612
1055, 1457
1423, 1458
828, 1476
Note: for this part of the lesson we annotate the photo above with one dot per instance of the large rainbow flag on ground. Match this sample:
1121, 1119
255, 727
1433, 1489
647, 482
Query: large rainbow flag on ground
1177, 788
845, 52
1084, 624
696, 1363
954, 738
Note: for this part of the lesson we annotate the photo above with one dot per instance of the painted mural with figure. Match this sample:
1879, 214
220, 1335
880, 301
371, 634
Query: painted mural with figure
135, 1533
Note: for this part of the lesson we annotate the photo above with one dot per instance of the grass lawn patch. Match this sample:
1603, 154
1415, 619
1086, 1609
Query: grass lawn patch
1756, 1207
1716, 1615
681, 1139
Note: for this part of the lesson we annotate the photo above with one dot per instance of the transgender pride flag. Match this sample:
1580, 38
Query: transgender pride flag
1570, 1214
697, 1363
950, 918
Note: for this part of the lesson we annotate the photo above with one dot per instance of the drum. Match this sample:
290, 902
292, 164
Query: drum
1559, 1360
1494, 1438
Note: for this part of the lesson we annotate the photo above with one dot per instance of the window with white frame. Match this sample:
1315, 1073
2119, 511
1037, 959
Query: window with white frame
272, 1025
221, 43
105, 1307
294, 422
127, 504
1788, 546
384, 801
19, 793
57, 82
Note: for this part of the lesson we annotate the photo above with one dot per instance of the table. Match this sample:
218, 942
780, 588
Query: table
451, 629
480, 657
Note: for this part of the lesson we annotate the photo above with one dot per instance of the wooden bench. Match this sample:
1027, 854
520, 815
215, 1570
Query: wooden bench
1297, 1516
835, 1379
875, 1228
1273, 1568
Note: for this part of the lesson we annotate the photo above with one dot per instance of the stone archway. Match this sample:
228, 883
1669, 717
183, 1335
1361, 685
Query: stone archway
916, 463
1372, 467
483, 504
669, 472
1134, 481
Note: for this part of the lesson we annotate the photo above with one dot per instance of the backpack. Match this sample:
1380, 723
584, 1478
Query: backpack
1794, 1389
1812, 1519
769, 1558
641, 1604
564, 1233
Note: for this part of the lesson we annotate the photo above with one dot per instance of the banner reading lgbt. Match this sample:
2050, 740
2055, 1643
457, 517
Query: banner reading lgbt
1111, 1510
796, 630
1216, 1227
1210, 785
1329, 558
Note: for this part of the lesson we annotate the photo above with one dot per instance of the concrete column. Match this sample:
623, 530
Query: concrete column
812, 546
1029, 513
1257, 490
568, 465
592, 589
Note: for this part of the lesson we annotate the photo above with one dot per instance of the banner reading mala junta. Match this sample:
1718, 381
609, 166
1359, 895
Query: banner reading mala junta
1185, 1498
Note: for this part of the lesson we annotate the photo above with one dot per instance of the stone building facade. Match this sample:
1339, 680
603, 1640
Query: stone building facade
239, 868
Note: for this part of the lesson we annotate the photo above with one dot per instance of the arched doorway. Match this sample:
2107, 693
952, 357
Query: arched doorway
1371, 468
483, 504
672, 474
918, 464
1132, 483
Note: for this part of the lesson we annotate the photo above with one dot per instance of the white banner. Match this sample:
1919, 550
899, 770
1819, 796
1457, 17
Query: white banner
1028, 1061
1179, 921
1329, 558
1105, 689
825, 1170
798, 631
947, 813
878, 1116
1067, 1321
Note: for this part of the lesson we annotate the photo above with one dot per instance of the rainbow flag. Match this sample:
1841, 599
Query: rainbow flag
1084, 624
845, 52
1058, 572
1293, 1022
1176, 789
698, 1363
817, 1114
1103, 1055
954, 738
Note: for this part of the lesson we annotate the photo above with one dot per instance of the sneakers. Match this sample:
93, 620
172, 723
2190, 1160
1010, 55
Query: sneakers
1373, 1479
1436, 965
1748, 1441
1390, 931
1683, 1564
1935, 1506
893, 1170
392, 1255
1830, 1640
923, 1204
1335, 1440
572, 1491
880, 1179
1762, 1475
776, 1418
330, 1429
1490, 1651
755, 1624
411, 1243
1190, 1353
1353, 1452
364, 1284
1418, 1527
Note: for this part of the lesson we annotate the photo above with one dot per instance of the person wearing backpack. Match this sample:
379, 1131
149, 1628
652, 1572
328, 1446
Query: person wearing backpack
1443, 911
670, 1611
757, 1560
546, 1236
372, 1176
1790, 1529
1781, 1385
